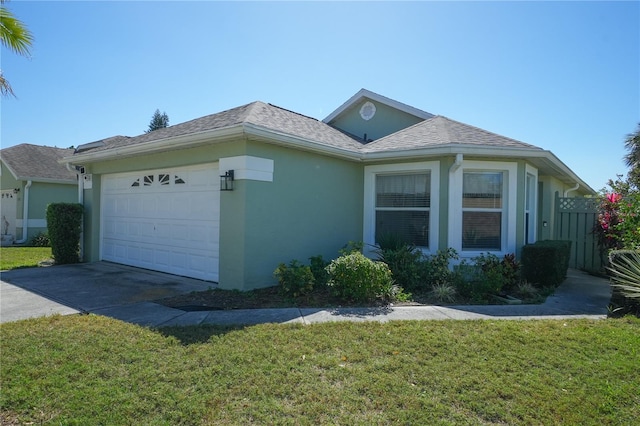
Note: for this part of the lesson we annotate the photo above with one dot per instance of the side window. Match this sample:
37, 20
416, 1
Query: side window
402, 207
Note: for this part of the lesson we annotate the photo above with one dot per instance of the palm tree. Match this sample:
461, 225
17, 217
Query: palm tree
632, 159
15, 37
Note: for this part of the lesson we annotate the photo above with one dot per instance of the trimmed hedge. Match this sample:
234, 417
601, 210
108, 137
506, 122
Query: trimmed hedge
545, 263
64, 221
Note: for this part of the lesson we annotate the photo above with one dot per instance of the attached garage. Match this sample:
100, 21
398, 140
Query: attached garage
166, 220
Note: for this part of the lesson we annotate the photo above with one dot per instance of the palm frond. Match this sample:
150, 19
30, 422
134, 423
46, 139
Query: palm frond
626, 274
14, 35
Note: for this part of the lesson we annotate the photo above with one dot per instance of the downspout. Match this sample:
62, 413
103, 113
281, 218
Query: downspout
456, 165
25, 214
566, 193
81, 202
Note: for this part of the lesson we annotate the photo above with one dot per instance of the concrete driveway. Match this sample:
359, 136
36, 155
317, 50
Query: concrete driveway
104, 288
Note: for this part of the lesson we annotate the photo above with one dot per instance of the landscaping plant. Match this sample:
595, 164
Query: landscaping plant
357, 278
40, 240
625, 280
64, 225
295, 279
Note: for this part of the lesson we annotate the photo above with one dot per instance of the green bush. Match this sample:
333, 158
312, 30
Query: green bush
295, 279
64, 222
545, 263
406, 264
354, 277
435, 269
40, 240
318, 269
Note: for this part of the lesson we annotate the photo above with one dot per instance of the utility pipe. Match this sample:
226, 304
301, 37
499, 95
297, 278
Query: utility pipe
25, 214
566, 193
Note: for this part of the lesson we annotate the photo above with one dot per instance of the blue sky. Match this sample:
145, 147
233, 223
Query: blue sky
564, 76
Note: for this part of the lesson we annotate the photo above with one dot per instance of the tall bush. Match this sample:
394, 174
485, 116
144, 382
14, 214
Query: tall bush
64, 223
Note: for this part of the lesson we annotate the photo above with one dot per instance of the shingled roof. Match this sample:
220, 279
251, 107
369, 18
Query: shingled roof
267, 116
440, 131
37, 163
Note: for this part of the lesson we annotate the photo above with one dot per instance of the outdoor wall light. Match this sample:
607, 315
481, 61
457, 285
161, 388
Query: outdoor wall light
226, 181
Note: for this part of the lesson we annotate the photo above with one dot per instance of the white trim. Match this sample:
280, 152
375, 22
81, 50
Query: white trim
367, 94
510, 206
246, 167
533, 209
369, 219
32, 223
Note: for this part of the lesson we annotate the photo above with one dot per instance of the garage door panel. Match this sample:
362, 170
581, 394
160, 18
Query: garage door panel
165, 220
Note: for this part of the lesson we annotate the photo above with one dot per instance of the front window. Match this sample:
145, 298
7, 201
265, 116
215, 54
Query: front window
482, 211
402, 207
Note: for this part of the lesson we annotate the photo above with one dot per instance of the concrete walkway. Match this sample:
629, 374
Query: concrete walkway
127, 294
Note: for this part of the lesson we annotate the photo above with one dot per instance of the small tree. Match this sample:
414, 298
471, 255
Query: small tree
64, 225
158, 121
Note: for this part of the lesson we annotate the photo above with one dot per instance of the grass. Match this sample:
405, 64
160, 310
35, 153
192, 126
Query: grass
22, 257
95, 370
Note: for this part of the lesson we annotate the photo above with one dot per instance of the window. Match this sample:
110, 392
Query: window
403, 202
483, 208
482, 211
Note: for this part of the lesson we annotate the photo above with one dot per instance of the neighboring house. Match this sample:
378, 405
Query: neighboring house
304, 187
32, 177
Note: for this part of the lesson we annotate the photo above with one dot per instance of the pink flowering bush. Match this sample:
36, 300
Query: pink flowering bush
618, 223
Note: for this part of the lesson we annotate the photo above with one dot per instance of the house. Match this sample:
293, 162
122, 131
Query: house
31, 178
227, 197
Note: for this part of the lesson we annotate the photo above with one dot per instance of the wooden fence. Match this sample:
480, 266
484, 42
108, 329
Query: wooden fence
575, 219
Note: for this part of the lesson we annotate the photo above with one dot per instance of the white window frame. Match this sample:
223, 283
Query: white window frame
531, 199
369, 220
509, 207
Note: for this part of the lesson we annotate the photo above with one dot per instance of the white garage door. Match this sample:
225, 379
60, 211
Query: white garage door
167, 220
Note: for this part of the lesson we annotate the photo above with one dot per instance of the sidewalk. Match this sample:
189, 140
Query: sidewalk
580, 296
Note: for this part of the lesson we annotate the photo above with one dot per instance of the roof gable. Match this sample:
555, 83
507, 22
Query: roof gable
363, 95
38, 163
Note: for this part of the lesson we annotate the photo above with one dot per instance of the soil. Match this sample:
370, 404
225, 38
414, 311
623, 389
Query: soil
270, 297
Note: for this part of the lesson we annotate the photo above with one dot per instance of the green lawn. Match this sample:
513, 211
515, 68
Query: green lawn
94, 370
22, 257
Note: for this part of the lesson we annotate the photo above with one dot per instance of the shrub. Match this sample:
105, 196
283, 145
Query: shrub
295, 279
350, 247
436, 268
64, 225
405, 262
356, 278
318, 269
41, 240
545, 263
443, 293
525, 290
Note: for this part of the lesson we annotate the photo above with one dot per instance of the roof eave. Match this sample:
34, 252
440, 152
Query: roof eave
182, 141
562, 171
70, 181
